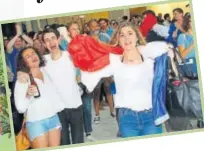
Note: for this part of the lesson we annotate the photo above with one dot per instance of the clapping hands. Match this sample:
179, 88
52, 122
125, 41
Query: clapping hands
18, 29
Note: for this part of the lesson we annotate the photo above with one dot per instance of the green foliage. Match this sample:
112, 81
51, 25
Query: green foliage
1, 73
4, 115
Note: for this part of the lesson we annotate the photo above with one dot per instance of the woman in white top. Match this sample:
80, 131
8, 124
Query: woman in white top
133, 74
42, 122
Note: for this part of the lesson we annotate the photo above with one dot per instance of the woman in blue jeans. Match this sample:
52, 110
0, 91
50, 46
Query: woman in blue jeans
133, 73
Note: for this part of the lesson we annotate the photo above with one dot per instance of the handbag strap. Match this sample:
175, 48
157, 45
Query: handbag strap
176, 53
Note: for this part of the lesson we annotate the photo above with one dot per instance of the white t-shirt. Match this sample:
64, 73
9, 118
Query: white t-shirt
47, 105
63, 75
133, 82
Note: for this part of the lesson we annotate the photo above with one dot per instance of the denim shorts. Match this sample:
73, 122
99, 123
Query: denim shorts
39, 128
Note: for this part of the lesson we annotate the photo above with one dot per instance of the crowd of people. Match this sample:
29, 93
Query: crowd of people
56, 97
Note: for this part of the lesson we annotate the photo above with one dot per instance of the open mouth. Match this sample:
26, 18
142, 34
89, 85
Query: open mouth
127, 43
53, 47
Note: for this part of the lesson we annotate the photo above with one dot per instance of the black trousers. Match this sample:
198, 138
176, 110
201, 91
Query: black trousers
73, 119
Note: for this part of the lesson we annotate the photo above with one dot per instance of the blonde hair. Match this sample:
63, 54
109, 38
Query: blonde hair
115, 38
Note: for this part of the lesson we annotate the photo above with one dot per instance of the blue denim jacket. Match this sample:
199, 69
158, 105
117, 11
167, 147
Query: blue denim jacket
159, 89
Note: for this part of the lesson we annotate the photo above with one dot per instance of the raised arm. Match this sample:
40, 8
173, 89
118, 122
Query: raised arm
154, 49
10, 45
27, 39
13, 40
91, 79
94, 59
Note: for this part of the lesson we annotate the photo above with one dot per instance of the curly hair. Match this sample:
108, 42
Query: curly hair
21, 64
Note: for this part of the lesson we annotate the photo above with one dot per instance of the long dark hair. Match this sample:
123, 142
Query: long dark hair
21, 64
186, 21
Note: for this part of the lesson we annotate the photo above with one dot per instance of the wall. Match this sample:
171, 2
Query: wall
168, 8
117, 14
97, 15
138, 10
86, 17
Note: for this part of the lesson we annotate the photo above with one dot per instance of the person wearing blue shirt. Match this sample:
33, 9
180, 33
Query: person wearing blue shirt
186, 44
186, 48
15, 45
175, 28
63, 44
94, 31
12, 61
105, 28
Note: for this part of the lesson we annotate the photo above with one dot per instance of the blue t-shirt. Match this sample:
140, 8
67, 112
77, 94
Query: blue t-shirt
170, 38
12, 58
109, 31
186, 40
63, 45
104, 37
7, 60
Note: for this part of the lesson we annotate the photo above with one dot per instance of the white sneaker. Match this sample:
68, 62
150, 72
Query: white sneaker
97, 119
90, 138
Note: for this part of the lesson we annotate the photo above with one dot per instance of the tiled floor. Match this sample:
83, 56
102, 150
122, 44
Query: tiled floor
107, 129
